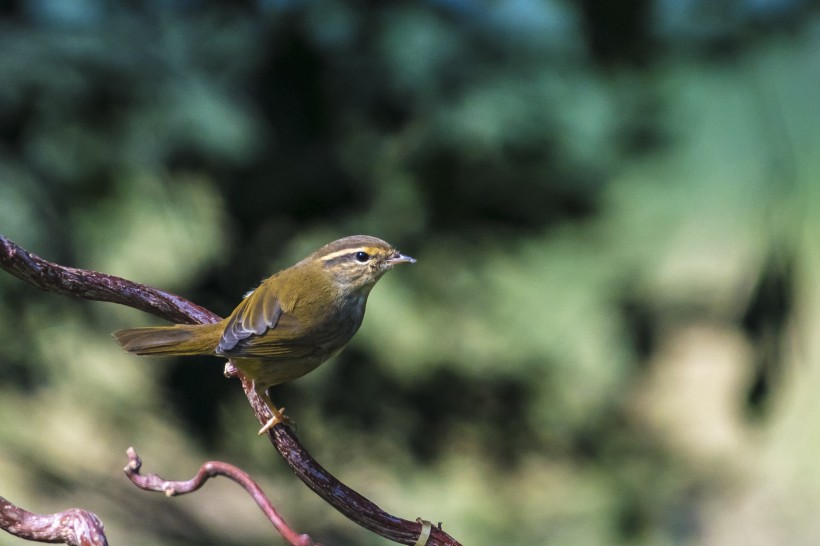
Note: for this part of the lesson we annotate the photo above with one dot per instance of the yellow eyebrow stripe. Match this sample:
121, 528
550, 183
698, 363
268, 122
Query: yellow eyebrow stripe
348, 251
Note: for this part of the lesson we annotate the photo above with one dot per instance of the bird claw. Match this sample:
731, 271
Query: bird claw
278, 416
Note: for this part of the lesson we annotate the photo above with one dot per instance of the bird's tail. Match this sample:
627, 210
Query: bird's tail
177, 340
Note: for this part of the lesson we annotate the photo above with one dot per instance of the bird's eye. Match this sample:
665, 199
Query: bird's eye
362, 256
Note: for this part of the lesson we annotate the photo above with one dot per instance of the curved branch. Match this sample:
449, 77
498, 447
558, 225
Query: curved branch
101, 287
74, 527
91, 285
211, 469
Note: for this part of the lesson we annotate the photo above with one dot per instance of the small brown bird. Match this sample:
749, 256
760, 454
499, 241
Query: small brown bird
290, 324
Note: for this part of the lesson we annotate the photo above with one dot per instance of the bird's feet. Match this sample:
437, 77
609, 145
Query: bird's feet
278, 416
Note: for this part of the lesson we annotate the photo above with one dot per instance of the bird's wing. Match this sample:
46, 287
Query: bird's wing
267, 326
258, 313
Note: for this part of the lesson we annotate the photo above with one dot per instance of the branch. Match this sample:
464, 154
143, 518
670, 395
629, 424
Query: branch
90, 285
74, 527
211, 469
99, 286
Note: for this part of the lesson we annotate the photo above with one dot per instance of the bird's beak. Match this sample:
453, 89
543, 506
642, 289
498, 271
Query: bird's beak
399, 258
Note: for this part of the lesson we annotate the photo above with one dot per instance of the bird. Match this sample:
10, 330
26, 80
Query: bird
290, 324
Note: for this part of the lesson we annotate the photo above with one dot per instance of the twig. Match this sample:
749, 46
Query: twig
211, 469
99, 286
74, 527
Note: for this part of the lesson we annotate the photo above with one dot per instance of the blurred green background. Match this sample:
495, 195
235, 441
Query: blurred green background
610, 334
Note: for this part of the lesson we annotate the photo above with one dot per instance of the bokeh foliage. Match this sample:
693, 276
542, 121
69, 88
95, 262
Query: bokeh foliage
607, 338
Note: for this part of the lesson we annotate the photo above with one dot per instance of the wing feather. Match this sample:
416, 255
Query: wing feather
258, 313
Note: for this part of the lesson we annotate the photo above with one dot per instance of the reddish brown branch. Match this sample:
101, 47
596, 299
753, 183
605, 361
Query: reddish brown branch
90, 285
74, 527
211, 469
99, 286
